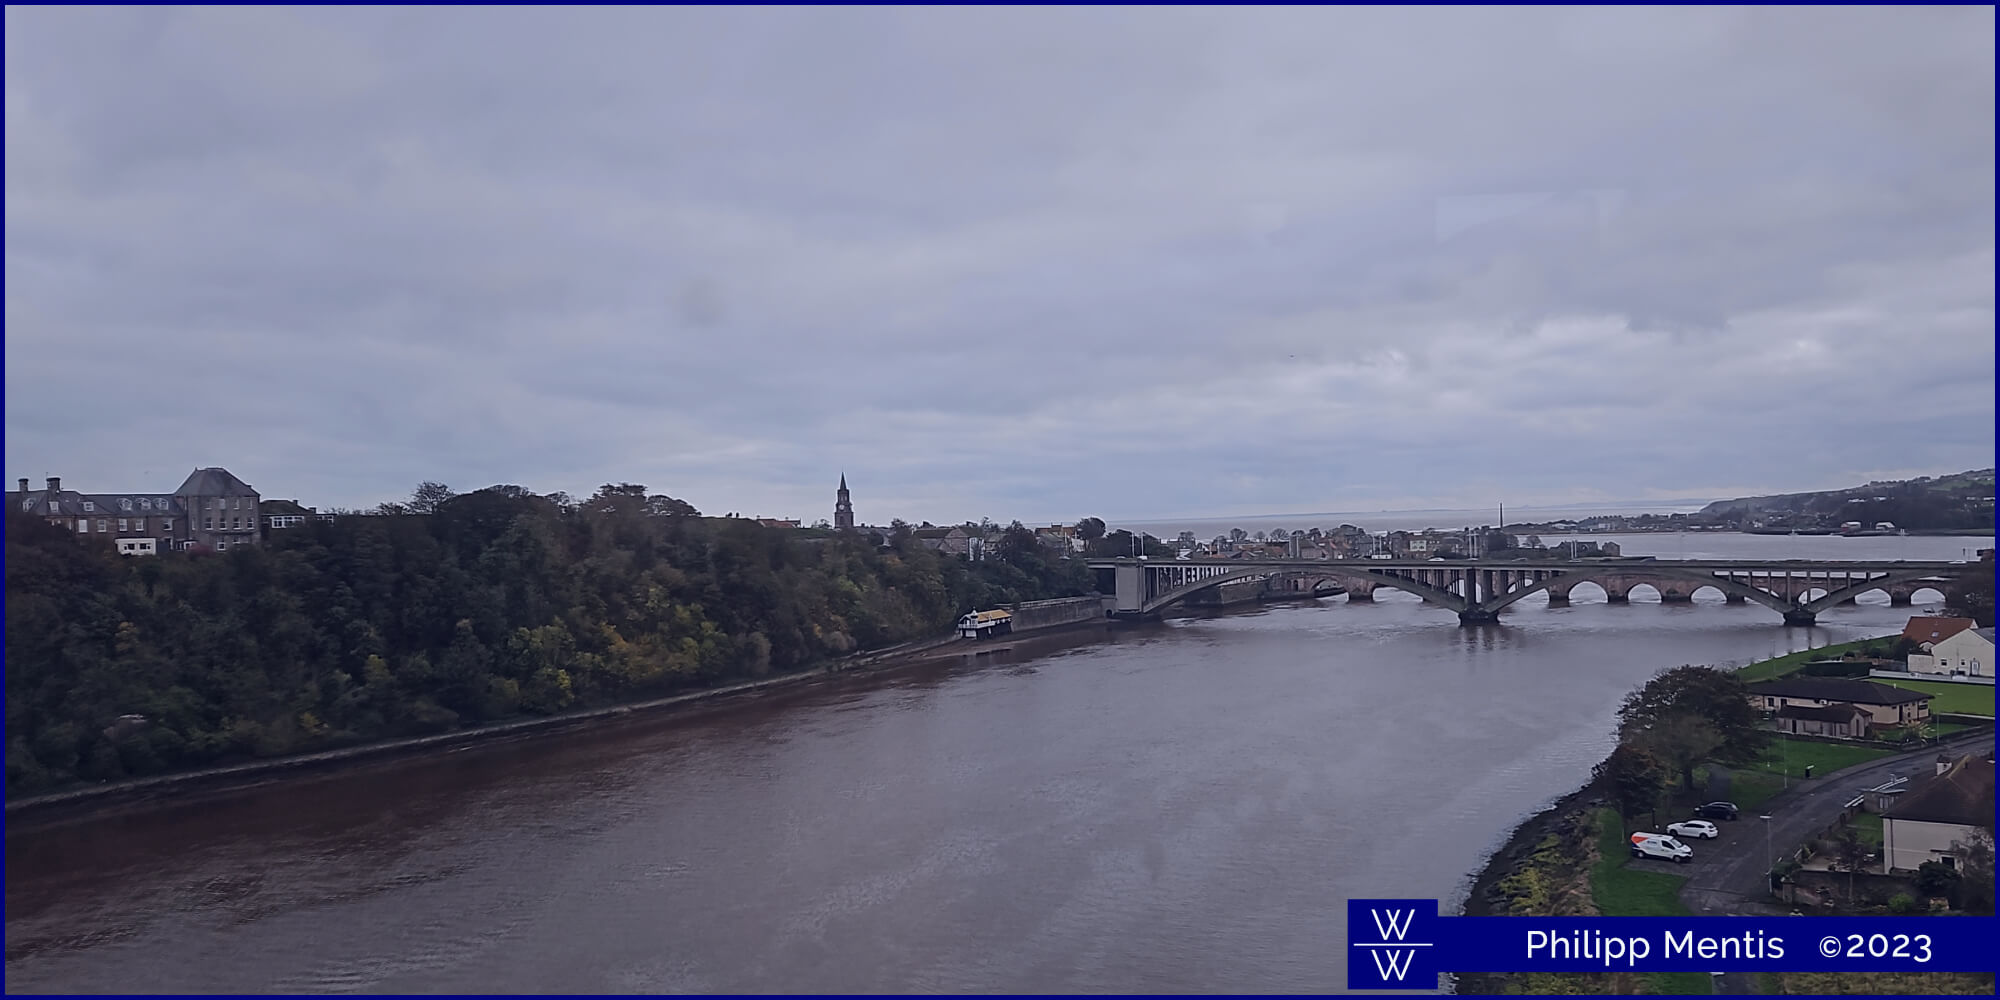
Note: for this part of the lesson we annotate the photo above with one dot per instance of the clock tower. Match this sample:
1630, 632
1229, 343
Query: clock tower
843, 508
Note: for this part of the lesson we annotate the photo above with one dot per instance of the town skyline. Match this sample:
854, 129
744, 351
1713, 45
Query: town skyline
840, 494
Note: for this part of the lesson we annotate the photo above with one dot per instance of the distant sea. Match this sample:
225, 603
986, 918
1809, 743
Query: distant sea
1399, 520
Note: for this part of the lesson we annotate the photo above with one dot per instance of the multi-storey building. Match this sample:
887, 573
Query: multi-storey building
212, 508
221, 509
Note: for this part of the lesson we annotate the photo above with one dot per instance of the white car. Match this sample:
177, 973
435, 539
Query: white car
1700, 828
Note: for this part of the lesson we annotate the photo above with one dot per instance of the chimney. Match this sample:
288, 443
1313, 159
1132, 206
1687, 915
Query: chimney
24, 484
55, 484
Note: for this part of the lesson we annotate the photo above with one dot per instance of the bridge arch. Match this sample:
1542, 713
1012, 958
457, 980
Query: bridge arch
1925, 578
1704, 578
1251, 572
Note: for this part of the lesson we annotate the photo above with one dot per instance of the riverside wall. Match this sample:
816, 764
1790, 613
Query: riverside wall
1032, 615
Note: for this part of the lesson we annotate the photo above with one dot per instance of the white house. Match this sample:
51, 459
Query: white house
1966, 653
1932, 820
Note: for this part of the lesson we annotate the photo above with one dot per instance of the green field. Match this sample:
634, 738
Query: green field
1786, 759
1790, 757
1870, 825
1960, 699
1779, 666
1624, 892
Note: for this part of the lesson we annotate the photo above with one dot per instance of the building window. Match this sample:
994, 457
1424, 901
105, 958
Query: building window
82, 525
167, 525
221, 544
103, 525
123, 526
208, 524
88, 506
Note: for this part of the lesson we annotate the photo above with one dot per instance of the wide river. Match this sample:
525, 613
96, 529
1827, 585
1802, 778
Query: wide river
1164, 808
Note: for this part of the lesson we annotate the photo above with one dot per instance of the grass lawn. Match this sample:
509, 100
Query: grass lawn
1790, 757
1894, 733
1964, 699
1624, 892
1779, 666
1870, 826
1750, 787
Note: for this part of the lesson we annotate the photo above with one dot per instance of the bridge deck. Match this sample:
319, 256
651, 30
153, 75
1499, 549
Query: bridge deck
1637, 563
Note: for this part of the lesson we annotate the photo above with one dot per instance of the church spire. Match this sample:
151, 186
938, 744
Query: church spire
843, 508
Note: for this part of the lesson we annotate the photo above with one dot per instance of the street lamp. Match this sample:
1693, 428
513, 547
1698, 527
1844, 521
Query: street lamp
1767, 843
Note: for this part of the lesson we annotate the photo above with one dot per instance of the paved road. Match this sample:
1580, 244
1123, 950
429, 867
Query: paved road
1729, 874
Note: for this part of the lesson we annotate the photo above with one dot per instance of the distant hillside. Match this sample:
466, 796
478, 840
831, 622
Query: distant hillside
1961, 500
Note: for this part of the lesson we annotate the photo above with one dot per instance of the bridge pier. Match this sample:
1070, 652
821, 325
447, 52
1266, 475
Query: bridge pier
1360, 593
1897, 600
1478, 616
1617, 597
1801, 617
1735, 599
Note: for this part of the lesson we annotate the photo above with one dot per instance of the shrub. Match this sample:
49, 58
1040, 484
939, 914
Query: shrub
1902, 902
1935, 878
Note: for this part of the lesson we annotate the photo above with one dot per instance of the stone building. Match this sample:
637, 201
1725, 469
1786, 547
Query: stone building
212, 508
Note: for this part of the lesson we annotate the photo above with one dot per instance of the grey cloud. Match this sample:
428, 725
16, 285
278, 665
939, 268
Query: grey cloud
997, 261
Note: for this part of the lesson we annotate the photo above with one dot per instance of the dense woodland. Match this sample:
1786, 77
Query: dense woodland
481, 607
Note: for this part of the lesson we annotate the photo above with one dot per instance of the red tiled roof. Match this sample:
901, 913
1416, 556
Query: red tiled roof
1922, 630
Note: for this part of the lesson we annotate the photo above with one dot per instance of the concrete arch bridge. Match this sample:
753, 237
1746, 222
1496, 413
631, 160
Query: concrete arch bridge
1479, 590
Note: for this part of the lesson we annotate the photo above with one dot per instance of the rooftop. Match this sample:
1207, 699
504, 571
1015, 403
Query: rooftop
1822, 713
1922, 629
1837, 689
1963, 794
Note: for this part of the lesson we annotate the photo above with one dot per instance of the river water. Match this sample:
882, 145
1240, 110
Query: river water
1173, 807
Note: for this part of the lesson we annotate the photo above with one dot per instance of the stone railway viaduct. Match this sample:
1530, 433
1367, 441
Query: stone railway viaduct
1479, 590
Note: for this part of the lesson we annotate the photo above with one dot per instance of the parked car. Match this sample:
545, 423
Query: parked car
1659, 845
1716, 810
1699, 829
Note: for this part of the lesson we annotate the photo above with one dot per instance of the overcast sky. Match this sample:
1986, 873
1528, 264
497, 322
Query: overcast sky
1131, 263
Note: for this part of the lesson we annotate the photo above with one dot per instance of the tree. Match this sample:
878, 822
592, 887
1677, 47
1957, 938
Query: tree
1634, 777
1090, 529
1682, 741
1237, 534
661, 505
1850, 853
1716, 697
427, 496
1975, 869
1970, 593
1935, 878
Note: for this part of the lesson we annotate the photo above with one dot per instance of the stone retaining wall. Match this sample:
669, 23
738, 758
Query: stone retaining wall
1032, 615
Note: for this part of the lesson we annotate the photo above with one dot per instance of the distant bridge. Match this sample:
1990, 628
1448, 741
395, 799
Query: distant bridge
1478, 590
